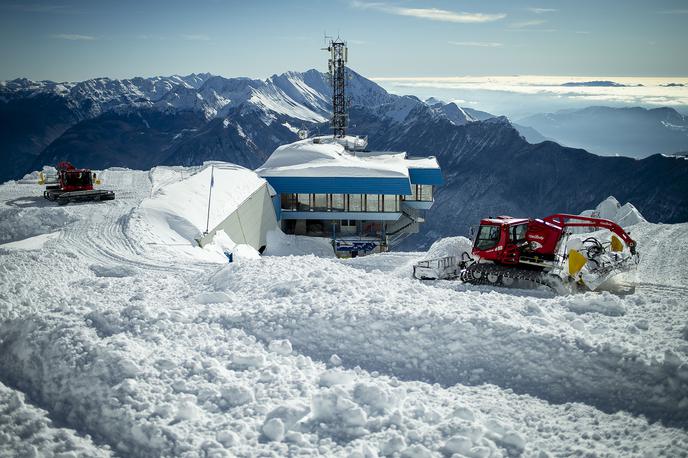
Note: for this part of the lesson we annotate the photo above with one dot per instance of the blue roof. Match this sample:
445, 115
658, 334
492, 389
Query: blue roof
426, 176
341, 185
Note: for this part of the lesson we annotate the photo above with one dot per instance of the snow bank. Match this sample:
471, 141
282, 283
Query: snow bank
22, 223
450, 246
281, 244
610, 208
222, 244
28, 431
35, 176
32, 243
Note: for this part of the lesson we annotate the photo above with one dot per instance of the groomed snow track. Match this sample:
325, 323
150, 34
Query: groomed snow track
447, 337
145, 353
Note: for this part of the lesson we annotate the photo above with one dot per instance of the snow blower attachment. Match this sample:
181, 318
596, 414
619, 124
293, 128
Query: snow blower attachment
70, 184
516, 251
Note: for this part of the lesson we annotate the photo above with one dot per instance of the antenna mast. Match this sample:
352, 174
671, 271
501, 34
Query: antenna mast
337, 74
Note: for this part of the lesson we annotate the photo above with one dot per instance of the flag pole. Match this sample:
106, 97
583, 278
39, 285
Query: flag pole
210, 193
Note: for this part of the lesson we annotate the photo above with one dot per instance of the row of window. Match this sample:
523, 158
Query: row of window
353, 202
340, 202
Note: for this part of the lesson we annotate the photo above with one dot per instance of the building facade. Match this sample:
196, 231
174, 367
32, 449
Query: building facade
363, 201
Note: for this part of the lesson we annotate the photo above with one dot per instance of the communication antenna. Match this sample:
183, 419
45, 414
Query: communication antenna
337, 74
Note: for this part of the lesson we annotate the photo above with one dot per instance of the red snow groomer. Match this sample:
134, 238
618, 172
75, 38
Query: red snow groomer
70, 184
507, 251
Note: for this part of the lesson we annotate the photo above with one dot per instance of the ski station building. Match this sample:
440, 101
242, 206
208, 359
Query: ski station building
364, 201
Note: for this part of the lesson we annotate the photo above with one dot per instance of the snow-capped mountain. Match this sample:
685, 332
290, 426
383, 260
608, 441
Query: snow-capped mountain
457, 115
488, 164
635, 132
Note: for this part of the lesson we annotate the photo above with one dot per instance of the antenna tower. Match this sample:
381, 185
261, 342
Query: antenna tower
337, 74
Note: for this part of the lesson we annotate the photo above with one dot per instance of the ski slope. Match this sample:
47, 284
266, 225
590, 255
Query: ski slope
114, 344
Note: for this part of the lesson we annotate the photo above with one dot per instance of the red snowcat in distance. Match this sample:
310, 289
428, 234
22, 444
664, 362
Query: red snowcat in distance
70, 184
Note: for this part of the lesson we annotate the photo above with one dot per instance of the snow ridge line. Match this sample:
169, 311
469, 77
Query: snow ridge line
430, 343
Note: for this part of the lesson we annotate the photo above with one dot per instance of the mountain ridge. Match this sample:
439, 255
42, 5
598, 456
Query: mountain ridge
489, 166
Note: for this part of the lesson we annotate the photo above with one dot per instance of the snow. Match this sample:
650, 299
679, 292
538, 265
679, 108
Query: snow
26, 430
30, 243
177, 209
610, 208
139, 349
325, 157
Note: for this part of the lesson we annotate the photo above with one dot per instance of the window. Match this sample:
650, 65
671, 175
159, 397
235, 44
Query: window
373, 203
304, 202
517, 234
355, 203
338, 202
488, 237
425, 192
320, 202
289, 202
390, 203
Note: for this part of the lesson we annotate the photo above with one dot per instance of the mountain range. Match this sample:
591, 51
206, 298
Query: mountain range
635, 132
489, 167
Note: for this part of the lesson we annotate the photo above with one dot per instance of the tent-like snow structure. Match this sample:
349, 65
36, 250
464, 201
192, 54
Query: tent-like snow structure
240, 205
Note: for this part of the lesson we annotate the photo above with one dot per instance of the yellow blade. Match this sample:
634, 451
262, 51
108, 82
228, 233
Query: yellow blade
41, 178
576, 262
616, 244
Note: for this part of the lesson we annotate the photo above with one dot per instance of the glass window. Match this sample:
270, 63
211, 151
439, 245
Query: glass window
373, 203
425, 192
289, 201
488, 237
338, 202
320, 202
517, 234
355, 203
304, 202
390, 203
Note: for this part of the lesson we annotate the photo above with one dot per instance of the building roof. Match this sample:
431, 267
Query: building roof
324, 164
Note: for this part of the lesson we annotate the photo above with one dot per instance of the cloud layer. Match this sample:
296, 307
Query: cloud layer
432, 14
643, 91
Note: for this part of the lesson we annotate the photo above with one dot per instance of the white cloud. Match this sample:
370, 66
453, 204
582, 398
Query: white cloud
483, 44
74, 37
196, 37
432, 14
526, 24
542, 10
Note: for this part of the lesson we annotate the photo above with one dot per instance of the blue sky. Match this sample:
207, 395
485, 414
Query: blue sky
75, 40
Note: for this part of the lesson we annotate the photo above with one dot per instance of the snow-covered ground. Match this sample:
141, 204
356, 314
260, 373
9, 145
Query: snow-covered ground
113, 344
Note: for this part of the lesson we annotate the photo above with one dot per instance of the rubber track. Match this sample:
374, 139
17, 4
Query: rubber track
533, 276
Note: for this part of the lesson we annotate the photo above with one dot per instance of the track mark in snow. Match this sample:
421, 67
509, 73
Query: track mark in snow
444, 337
28, 431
